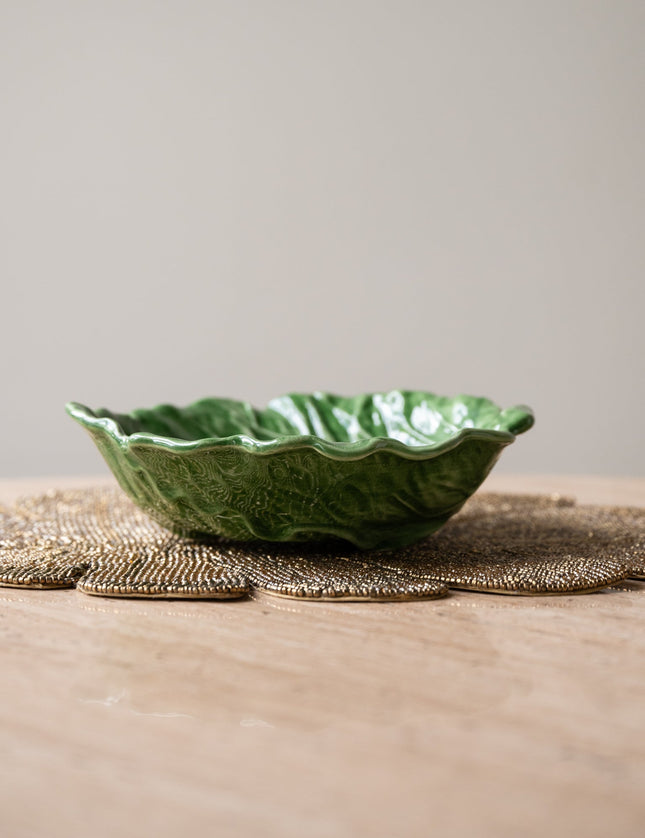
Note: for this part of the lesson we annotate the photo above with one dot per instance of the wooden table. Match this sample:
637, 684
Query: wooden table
476, 715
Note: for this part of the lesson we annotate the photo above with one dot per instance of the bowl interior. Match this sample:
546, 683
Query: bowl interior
412, 418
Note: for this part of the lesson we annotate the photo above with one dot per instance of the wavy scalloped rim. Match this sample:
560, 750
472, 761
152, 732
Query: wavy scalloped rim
512, 421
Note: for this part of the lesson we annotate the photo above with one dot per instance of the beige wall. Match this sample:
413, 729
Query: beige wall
245, 198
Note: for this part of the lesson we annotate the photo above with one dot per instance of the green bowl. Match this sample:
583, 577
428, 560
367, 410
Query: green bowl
380, 470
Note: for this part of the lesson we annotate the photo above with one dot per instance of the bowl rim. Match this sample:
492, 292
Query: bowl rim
512, 422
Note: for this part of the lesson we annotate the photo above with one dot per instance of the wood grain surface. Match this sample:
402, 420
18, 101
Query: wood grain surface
476, 715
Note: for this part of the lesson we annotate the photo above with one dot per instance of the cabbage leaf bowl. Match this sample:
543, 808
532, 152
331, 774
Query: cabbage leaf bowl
380, 470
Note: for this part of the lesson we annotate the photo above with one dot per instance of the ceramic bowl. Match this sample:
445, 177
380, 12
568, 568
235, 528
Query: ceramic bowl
379, 470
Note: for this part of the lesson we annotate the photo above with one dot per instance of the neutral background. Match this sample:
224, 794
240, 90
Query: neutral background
246, 198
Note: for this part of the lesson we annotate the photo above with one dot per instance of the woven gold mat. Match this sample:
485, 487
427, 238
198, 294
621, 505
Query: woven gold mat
99, 542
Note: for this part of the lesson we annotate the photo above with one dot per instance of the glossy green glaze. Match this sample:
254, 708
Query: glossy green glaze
380, 470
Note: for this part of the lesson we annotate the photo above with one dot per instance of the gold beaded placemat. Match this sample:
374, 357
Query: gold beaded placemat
98, 541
